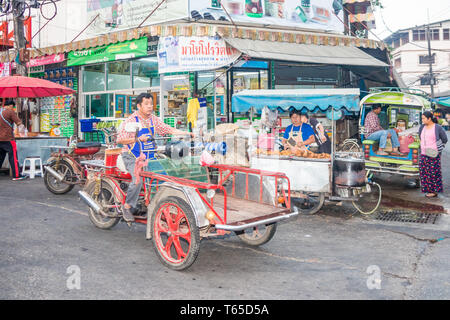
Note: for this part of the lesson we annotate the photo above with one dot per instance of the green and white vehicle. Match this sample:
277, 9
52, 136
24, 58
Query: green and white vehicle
397, 104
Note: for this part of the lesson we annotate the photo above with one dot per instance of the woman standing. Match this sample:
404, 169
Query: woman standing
432, 141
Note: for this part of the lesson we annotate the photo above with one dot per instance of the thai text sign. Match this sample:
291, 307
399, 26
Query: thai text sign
42, 61
116, 15
182, 54
112, 52
309, 14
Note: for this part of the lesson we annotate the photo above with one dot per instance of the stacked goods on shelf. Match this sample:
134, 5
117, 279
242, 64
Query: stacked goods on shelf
57, 110
171, 121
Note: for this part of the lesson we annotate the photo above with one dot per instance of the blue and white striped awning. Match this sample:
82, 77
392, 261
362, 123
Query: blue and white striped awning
304, 100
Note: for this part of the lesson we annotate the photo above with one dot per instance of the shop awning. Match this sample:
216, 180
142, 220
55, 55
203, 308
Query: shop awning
444, 101
311, 53
311, 100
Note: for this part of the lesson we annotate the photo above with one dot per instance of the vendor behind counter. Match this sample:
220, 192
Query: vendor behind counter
298, 134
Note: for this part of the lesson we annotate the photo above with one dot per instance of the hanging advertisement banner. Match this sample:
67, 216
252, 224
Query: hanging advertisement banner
116, 15
5, 69
122, 50
42, 61
182, 54
324, 15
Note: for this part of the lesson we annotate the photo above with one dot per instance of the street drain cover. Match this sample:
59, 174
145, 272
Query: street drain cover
405, 216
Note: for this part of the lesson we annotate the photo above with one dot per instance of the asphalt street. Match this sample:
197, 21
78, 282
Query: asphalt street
336, 254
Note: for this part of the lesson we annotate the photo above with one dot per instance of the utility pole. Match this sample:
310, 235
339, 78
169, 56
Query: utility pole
430, 61
19, 39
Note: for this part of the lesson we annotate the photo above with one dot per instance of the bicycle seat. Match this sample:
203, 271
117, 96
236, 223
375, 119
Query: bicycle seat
84, 145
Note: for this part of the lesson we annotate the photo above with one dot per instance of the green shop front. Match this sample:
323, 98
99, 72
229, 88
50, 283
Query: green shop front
111, 77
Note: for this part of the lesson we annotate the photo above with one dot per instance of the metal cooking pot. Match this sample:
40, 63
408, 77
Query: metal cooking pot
349, 172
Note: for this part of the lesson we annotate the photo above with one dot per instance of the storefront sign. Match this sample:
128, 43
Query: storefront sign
112, 52
42, 61
311, 14
116, 15
182, 54
5, 69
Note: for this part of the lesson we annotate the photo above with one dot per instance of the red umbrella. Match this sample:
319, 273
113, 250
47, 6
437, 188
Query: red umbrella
26, 87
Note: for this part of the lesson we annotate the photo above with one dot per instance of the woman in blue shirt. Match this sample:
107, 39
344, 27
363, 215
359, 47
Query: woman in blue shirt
292, 131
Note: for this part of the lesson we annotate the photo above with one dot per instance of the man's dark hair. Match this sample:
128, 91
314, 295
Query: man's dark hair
143, 96
305, 115
10, 102
376, 106
292, 112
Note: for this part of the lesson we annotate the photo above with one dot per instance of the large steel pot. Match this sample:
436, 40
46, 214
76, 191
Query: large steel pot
349, 172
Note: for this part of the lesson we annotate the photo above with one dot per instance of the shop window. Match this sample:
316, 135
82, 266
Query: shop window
243, 80
94, 78
99, 105
119, 75
145, 73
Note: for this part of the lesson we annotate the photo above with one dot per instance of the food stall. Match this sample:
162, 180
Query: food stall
314, 177
33, 144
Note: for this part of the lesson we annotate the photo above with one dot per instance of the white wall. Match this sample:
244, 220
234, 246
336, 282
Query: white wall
69, 21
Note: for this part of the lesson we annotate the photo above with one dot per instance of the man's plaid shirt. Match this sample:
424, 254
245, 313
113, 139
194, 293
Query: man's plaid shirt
372, 123
160, 127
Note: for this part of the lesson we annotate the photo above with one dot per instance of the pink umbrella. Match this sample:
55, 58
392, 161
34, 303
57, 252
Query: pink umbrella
26, 87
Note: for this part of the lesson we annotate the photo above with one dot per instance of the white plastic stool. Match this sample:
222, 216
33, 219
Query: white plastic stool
32, 172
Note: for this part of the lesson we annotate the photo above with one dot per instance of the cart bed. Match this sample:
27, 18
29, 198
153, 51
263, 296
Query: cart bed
241, 210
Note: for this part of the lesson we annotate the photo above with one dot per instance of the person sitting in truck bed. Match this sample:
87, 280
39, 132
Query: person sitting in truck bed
375, 132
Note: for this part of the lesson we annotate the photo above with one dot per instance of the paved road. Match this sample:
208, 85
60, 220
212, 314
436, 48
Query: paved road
326, 256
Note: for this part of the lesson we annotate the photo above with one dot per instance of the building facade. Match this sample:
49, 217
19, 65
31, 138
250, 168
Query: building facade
409, 56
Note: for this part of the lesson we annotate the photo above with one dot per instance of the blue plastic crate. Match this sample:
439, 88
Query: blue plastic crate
87, 124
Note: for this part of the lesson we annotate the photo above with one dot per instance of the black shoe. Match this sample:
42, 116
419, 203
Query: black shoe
127, 215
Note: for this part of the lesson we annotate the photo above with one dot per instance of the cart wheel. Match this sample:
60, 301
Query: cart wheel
350, 145
310, 205
369, 202
109, 204
52, 184
259, 235
176, 238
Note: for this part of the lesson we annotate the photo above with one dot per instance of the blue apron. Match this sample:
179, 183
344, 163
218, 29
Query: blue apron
148, 148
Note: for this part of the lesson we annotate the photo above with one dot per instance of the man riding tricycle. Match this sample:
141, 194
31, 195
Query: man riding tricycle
389, 124
174, 195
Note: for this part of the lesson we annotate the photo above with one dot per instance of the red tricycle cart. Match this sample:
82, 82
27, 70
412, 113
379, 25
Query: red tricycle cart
179, 211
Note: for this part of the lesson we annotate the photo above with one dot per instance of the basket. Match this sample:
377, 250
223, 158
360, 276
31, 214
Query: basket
87, 125
111, 156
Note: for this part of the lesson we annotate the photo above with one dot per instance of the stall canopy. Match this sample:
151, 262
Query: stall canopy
337, 55
312, 100
444, 101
